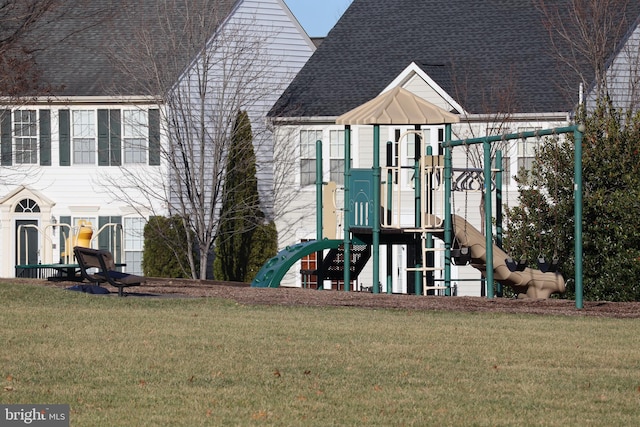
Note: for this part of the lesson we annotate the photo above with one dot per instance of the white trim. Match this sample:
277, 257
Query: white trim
562, 116
83, 209
302, 121
414, 69
79, 100
293, 19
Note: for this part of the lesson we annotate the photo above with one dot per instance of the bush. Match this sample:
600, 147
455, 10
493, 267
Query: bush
166, 248
544, 220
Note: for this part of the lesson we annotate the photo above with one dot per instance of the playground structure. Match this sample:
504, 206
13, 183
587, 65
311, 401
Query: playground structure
373, 213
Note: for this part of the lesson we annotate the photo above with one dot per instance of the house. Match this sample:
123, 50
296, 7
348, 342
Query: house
99, 117
498, 65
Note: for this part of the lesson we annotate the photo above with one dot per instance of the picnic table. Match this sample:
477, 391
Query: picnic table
53, 272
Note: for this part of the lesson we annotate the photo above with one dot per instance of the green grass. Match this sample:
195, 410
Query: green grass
190, 362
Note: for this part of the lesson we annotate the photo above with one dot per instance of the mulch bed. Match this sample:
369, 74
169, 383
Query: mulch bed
243, 294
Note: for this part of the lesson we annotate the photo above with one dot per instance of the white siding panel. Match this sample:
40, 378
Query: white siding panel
418, 86
364, 152
287, 48
624, 75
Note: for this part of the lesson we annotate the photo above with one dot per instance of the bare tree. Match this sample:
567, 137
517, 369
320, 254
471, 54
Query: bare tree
497, 94
30, 33
585, 34
29, 29
19, 19
202, 68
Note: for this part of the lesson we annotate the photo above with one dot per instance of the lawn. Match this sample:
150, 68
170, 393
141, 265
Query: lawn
204, 361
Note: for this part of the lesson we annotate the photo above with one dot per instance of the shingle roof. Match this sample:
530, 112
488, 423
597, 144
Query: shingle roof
490, 56
80, 51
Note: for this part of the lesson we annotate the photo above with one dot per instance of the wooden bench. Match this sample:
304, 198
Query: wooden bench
89, 258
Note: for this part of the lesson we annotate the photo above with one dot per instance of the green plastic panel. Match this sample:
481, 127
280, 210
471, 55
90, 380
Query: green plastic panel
272, 272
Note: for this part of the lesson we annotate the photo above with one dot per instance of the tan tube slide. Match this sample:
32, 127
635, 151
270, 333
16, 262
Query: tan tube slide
529, 283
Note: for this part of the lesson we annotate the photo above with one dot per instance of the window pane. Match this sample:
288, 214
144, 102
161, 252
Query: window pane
26, 150
135, 150
25, 132
134, 233
411, 148
337, 171
134, 244
336, 144
133, 259
506, 171
135, 132
135, 123
307, 172
308, 140
84, 134
525, 162
84, 151
84, 124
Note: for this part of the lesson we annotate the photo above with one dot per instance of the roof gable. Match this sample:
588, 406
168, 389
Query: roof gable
415, 79
490, 56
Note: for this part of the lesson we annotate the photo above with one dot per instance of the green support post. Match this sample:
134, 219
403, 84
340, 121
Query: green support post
318, 190
498, 167
418, 185
389, 179
347, 208
389, 212
577, 185
376, 209
319, 255
488, 227
448, 226
389, 269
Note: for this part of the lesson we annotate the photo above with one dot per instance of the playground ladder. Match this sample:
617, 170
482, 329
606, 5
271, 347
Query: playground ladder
425, 269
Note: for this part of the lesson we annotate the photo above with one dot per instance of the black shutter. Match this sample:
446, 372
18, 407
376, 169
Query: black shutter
115, 139
108, 240
64, 131
117, 245
103, 137
64, 235
154, 137
6, 139
45, 137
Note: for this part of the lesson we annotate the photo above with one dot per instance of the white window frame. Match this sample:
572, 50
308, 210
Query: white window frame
84, 137
25, 137
406, 151
135, 130
134, 243
527, 149
308, 138
336, 156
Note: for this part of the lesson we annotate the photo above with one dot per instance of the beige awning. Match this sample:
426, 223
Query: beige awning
397, 107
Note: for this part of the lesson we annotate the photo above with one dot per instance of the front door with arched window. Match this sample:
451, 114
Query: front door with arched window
27, 213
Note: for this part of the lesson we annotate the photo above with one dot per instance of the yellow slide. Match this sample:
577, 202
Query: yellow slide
529, 283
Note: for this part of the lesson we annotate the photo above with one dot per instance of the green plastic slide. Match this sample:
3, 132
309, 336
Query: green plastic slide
272, 272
